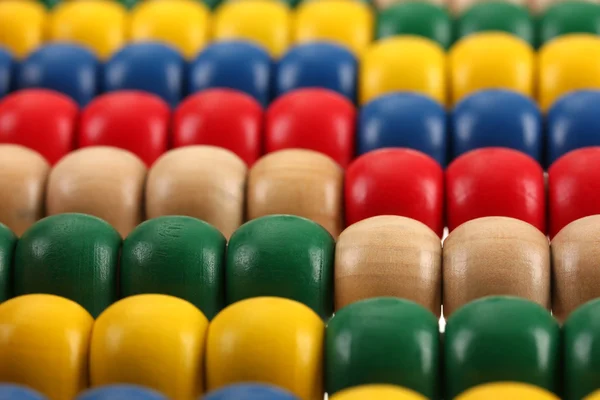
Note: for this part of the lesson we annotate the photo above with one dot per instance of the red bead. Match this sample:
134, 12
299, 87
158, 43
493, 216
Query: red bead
220, 117
574, 187
40, 119
396, 182
313, 119
130, 120
495, 182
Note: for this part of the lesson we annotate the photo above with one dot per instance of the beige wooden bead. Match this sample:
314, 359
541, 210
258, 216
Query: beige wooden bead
204, 182
383, 4
106, 182
495, 256
23, 177
575, 265
389, 256
297, 182
459, 7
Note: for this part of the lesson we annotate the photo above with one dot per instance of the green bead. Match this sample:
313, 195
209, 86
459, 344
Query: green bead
212, 4
416, 18
128, 3
383, 340
50, 3
8, 241
501, 338
497, 16
178, 256
569, 17
283, 256
69, 255
582, 351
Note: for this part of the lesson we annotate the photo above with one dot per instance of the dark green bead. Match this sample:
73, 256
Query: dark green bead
383, 341
416, 18
582, 351
569, 17
8, 241
69, 255
128, 3
283, 256
497, 16
50, 3
178, 256
501, 338
212, 4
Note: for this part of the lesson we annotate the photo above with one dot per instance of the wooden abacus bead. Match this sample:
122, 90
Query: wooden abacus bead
105, 182
250, 391
8, 242
495, 256
506, 390
17, 392
204, 182
150, 340
297, 182
389, 256
379, 392
23, 177
121, 392
45, 344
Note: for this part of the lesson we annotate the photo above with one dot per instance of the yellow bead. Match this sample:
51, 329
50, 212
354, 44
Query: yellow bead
407, 63
506, 391
22, 26
593, 396
266, 23
330, 21
184, 24
491, 60
379, 392
101, 25
44, 344
568, 63
150, 340
270, 340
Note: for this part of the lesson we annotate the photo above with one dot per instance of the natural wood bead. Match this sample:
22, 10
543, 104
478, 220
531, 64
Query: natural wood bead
102, 181
389, 256
204, 182
23, 177
575, 265
495, 256
297, 182
383, 4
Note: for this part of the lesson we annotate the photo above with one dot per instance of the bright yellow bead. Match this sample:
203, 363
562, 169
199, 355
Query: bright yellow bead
407, 63
101, 25
506, 391
491, 60
568, 63
266, 23
44, 344
270, 340
379, 392
348, 23
22, 26
593, 396
150, 340
184, 24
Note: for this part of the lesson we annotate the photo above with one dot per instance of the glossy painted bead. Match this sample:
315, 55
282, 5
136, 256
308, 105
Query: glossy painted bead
45, 345
495, 256
395, 182
18, 392
120, 392
267, 340
388, 256
564, 18
381, 392
22, 26
237, 65
129, 334
8, 242
250, 391
317, 64
406, 120
7, 69
416, 18
506, 390
386, 341
283, 256
495, 181
497, 118
150, 67
501, 339
69, 255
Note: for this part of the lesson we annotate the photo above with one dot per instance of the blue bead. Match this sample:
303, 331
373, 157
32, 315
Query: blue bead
249, 392
235, 65
121, 392
15, 392
6, 72
497, 118
404, 120
319, 64
67, 68
150, 67
573, 122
